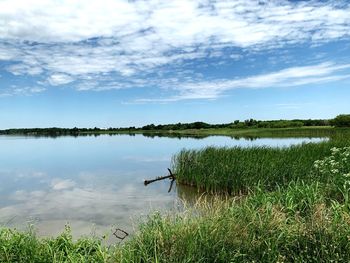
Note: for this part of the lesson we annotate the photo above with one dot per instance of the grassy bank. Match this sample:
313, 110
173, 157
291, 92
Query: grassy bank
293, 224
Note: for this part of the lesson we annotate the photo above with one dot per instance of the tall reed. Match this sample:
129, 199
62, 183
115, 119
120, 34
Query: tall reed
236, 170
294, 224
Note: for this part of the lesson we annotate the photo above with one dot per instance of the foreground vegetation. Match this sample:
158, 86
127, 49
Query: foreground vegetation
16, 246
297, 223
286, 205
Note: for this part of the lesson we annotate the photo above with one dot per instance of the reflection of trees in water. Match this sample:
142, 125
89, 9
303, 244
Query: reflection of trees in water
195, 136
249, 135
245, 137
174, 135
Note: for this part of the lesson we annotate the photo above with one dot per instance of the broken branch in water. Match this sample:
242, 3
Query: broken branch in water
170, 176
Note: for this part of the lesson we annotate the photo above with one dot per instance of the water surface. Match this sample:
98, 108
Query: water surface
93, 183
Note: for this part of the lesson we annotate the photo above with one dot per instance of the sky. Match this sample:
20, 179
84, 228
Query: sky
116, 63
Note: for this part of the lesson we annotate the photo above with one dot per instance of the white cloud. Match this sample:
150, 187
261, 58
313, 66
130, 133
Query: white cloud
60, 79
290, 77
23, 91
174, 23
87, 41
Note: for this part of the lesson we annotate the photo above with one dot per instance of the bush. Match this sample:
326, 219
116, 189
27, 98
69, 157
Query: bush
336, 170
342, 120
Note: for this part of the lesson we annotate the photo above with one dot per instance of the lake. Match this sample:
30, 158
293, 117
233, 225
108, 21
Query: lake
94, 183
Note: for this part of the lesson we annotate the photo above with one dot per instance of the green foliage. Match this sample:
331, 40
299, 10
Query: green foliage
178, 126
236, 170
16, 246
293, 224
336, 169
342, 120
280, 124
251, 123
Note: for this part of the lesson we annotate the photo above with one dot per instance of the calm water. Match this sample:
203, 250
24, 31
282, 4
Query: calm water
94, 183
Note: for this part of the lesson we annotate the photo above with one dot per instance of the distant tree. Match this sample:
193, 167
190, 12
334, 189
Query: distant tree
149, 127
240, 125
342, 120
250, 122
310, 122
264, 124
178, 126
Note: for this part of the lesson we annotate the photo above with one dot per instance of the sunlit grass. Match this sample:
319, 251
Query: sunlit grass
17, 246
294, 224
236, 170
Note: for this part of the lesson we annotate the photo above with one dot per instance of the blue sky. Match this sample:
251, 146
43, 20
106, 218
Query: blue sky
118, 63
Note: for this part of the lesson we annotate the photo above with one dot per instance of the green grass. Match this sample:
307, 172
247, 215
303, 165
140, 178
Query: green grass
17, 246
236, 170
296, 223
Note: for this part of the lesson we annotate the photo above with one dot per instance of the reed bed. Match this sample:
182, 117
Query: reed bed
298, 222
236, 170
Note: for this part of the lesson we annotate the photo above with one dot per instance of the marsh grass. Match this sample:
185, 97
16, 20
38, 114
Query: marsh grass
18, 246
236, 170
280, 226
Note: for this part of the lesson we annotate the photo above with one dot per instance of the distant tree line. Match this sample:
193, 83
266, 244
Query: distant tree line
339, 121
250, 123
51, 132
